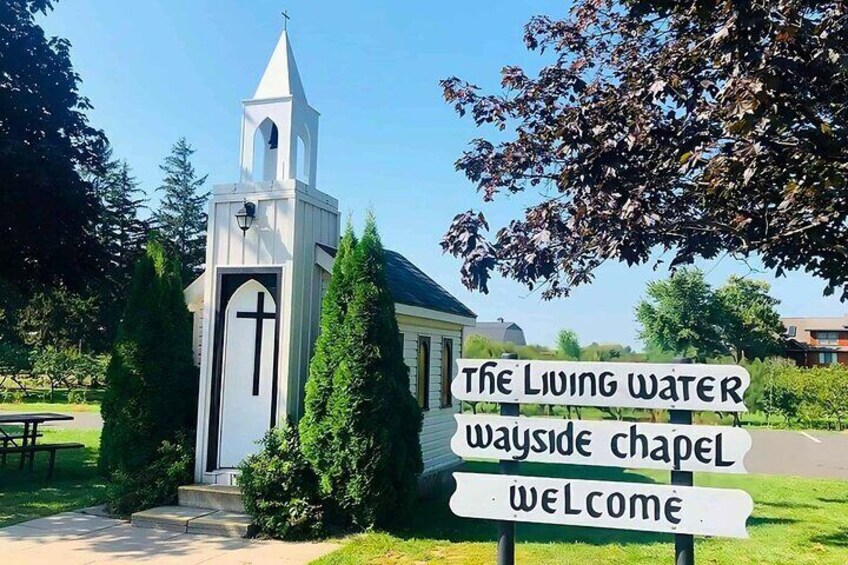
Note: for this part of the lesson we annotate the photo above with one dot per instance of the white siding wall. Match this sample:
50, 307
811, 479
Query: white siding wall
439, 424
313, 224
290, 219
197, 333
267, 242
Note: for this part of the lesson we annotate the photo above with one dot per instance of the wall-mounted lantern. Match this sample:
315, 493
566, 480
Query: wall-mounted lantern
245, 216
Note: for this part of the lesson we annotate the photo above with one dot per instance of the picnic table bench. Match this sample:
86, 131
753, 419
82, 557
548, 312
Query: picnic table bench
26, 443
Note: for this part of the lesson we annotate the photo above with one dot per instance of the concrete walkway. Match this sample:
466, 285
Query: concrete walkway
73, 538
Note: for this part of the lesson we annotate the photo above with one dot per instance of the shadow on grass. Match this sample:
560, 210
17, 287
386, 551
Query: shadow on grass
433, 519
26, 494
837, 539
770, 521
790, 505
833, 500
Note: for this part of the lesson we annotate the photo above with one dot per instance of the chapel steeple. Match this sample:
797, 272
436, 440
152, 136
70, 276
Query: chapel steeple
279, 127
281, 77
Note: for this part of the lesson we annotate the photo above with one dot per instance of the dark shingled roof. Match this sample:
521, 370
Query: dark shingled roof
409, 285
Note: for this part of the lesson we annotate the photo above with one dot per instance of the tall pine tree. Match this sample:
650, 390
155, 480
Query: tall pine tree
315, 426
373, 445
120, 230
181, 218
151, 390
121, 234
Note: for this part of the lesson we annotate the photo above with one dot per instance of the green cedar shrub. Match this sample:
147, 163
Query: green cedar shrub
155, 485
280, 490
151, 380
77, 396
315, 426
375, 447
14, 358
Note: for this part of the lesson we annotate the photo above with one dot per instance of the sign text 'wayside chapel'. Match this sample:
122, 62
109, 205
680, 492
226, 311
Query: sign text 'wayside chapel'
605, 504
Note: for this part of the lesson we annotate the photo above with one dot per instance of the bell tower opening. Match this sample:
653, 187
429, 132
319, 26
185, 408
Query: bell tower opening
279, 127
302, 161
265, 143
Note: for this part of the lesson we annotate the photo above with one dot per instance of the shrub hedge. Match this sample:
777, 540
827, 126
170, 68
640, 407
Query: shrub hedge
362, 424
150, 399
280, 490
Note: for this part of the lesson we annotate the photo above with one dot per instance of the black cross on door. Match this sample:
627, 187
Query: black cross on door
260, 316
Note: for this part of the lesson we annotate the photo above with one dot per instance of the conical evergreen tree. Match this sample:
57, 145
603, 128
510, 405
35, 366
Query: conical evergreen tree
375, 450
151, 387
181, 218
121, 231
315, 427
121, 234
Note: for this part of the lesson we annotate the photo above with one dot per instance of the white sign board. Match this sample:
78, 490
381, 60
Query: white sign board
717, 388
604, 443
601, 504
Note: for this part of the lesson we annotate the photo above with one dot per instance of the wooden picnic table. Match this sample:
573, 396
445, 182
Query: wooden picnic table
26, 443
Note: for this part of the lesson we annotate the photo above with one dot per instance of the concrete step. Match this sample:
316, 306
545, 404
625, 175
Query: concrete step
222, 523
190, 520
215, 497
171, 518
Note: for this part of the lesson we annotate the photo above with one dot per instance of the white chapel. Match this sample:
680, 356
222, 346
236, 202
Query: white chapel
271, 240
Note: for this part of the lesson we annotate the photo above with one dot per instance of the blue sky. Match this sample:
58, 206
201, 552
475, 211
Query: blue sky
157, 70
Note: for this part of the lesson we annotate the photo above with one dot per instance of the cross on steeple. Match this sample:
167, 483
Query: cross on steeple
286, 20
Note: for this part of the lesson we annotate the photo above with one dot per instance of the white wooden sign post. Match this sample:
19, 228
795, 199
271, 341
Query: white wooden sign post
679, 447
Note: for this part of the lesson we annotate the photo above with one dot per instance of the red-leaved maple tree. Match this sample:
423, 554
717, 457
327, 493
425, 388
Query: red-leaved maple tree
697, 128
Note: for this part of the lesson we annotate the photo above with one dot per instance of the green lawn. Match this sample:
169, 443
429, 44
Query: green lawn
39, 401
795, 522
75, 484
48, 407
748, 419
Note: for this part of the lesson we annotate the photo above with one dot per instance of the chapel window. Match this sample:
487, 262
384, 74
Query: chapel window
423, 377
447, 371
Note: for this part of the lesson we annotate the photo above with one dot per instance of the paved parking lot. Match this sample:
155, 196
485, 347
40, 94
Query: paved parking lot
81, 421
804, 454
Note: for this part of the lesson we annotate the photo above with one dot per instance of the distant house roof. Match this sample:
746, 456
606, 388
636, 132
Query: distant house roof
501, 331
799, 332
409, 285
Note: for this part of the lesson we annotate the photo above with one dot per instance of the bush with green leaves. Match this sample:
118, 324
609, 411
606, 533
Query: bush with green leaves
10, 396
280, 490
363, 441
783, 391
14, 358
826, 394
151, 381
816, 396
77, 396
67, 368
316, 424
763, 374
62, 319
155, 485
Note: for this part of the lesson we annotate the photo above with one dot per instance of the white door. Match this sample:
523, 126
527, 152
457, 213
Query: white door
248, 370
